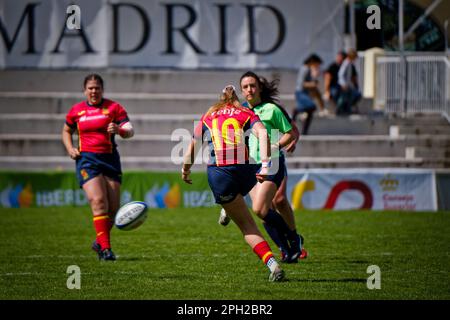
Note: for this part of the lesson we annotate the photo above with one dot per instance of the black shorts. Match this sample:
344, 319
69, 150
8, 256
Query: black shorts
277, 170
228, 181
91, 165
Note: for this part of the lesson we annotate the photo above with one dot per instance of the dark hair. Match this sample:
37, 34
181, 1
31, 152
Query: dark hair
313, 58
95, 77
269, 89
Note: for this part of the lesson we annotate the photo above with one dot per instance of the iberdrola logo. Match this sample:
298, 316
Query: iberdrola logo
165, 197
17, 196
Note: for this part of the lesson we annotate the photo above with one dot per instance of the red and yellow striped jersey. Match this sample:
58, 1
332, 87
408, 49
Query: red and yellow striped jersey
227, 131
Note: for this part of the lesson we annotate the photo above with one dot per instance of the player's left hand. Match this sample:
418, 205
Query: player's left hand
113, 128
290, 148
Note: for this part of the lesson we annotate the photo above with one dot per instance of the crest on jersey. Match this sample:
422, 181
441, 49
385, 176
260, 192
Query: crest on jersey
84, 174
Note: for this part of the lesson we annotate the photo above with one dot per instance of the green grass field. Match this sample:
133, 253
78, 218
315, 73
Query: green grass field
185, 254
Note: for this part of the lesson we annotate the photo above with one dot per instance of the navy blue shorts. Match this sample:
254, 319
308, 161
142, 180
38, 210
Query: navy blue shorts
229, 181
279, 170
91, 165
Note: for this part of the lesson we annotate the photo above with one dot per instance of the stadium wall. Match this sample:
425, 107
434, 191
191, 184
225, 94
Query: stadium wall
332, 189
186, 34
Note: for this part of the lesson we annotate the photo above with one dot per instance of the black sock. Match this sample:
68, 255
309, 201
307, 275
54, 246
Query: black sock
273, 233
276, 222
274, 219
292, 235
286, 236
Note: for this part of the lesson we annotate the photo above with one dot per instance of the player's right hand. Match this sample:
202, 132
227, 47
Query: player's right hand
74, 153
261, 176
185, 175
186, 178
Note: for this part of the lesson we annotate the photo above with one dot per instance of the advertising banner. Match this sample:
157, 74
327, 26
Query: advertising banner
332, 189
56, 189
185, 34
374, 189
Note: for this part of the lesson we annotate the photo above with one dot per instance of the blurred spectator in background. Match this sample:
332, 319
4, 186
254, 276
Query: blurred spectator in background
332, 89
307, 91
348, 82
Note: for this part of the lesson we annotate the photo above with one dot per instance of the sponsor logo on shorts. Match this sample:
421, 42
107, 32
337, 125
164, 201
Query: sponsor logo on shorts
226, 198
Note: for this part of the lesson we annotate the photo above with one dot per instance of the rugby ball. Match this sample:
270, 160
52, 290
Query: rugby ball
131, 215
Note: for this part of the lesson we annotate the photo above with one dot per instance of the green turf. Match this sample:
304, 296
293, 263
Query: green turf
185, 254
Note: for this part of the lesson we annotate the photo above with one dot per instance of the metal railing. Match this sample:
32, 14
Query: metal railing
420, 85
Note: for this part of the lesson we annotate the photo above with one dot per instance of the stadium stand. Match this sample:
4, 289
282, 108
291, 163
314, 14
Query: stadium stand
33, 104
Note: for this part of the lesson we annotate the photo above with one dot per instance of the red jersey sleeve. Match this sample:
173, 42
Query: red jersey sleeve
198, 130
120, 114
70, 118
253, 119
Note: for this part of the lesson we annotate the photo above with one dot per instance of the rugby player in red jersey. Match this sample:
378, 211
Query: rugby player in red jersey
230, 175
98, 169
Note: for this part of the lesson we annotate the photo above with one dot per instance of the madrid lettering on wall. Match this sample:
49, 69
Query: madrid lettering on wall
185, 34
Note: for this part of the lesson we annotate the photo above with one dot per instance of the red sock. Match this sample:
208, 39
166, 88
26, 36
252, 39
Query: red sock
111, 221
102, 225
263, 251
